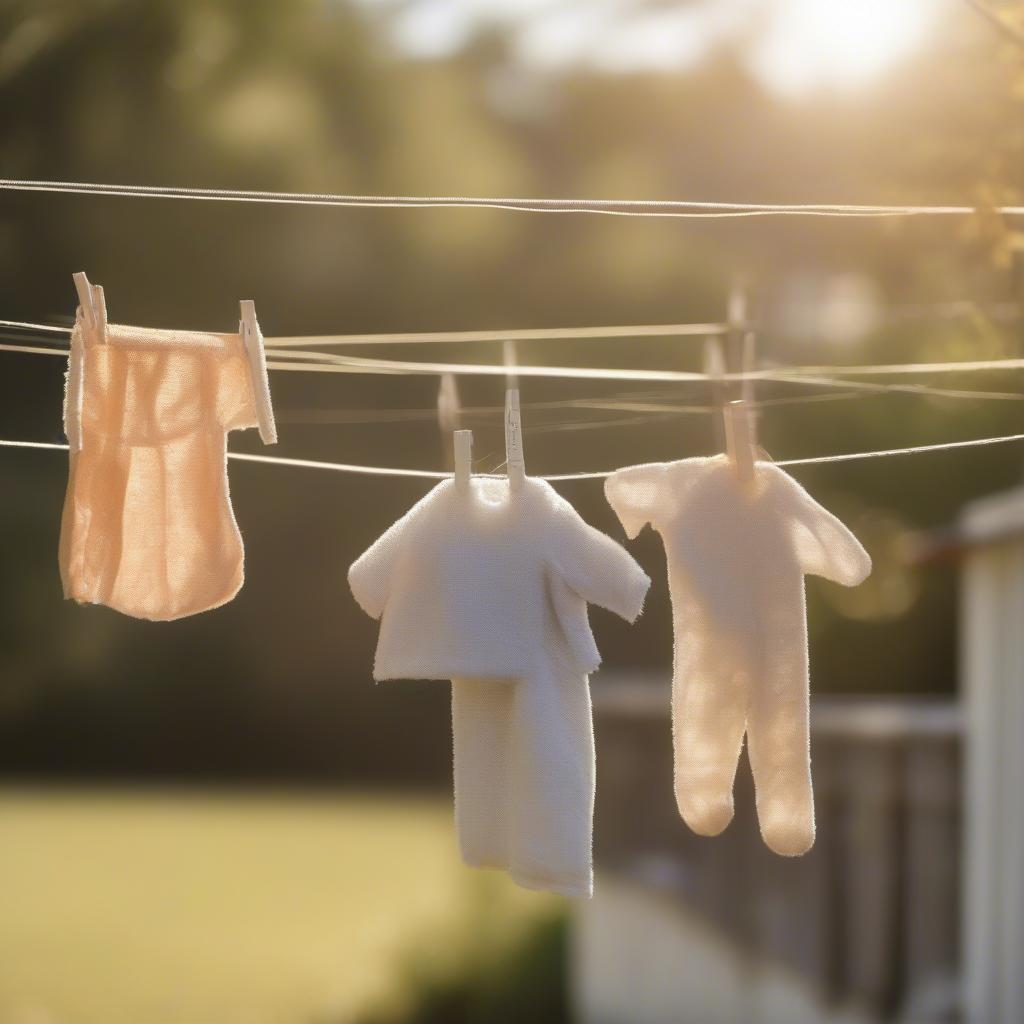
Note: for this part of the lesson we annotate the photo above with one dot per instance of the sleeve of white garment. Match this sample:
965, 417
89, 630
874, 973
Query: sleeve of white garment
372, 574
594, 566
823, 545
636, 495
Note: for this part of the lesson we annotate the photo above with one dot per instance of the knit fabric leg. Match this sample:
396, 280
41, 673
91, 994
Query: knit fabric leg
552, 782
778, 738
482, 711
709, 703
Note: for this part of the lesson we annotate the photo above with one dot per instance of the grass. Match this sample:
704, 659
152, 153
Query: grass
172, 908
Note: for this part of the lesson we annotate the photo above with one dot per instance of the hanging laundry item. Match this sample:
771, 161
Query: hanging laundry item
487, 585
737, 553
147, 526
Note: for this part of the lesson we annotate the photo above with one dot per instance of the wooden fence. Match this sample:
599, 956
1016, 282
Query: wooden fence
864, 927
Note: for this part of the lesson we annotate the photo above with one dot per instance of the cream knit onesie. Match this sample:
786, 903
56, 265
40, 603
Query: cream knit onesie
737, 554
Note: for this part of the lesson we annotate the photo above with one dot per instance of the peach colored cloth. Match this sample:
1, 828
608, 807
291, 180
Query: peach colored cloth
148, 527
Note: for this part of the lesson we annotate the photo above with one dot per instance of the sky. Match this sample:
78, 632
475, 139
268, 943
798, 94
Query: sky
794, 46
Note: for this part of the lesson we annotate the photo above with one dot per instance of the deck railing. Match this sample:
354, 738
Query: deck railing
868, 920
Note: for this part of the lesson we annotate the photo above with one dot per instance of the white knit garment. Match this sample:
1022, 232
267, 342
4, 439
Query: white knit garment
489, 588
737, 554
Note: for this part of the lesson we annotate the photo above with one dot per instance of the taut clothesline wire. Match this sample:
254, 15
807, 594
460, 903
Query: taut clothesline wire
344, 467
536, 334
323, 362
608, 207
449, 337
999, 311
809, 375
780, 376
631, 403
652, 409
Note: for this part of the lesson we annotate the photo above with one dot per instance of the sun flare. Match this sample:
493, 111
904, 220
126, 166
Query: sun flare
840, 43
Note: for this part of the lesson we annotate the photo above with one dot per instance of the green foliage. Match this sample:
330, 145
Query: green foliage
523, 978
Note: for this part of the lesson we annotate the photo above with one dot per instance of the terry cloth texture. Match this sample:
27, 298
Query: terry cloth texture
737, 554
489, 588
148, 527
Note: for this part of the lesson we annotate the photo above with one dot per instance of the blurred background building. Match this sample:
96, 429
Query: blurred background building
222, 819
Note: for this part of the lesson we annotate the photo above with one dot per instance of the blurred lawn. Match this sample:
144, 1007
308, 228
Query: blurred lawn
226, 908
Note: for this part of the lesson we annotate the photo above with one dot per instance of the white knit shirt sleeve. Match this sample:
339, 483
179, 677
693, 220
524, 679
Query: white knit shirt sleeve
372, 575
637, 495
594, 566
823, 545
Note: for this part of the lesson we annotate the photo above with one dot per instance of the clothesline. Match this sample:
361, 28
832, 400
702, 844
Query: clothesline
1001, 311
608, 207
844, 390
450, 337
323, 362
654, 409
345, 467
814, 375
538, 334
646, 403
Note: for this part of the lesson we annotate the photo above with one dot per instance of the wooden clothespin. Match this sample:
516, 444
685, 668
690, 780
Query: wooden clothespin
736, 319
463, 450
515, 464
85, 300
510, 361
714, 367
93, 303
737, 417
449, 408
748, 364
739, 444
449, 413
93, 307
252, 341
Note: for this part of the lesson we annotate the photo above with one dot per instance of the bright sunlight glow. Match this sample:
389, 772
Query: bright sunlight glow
794, 46
839, 43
